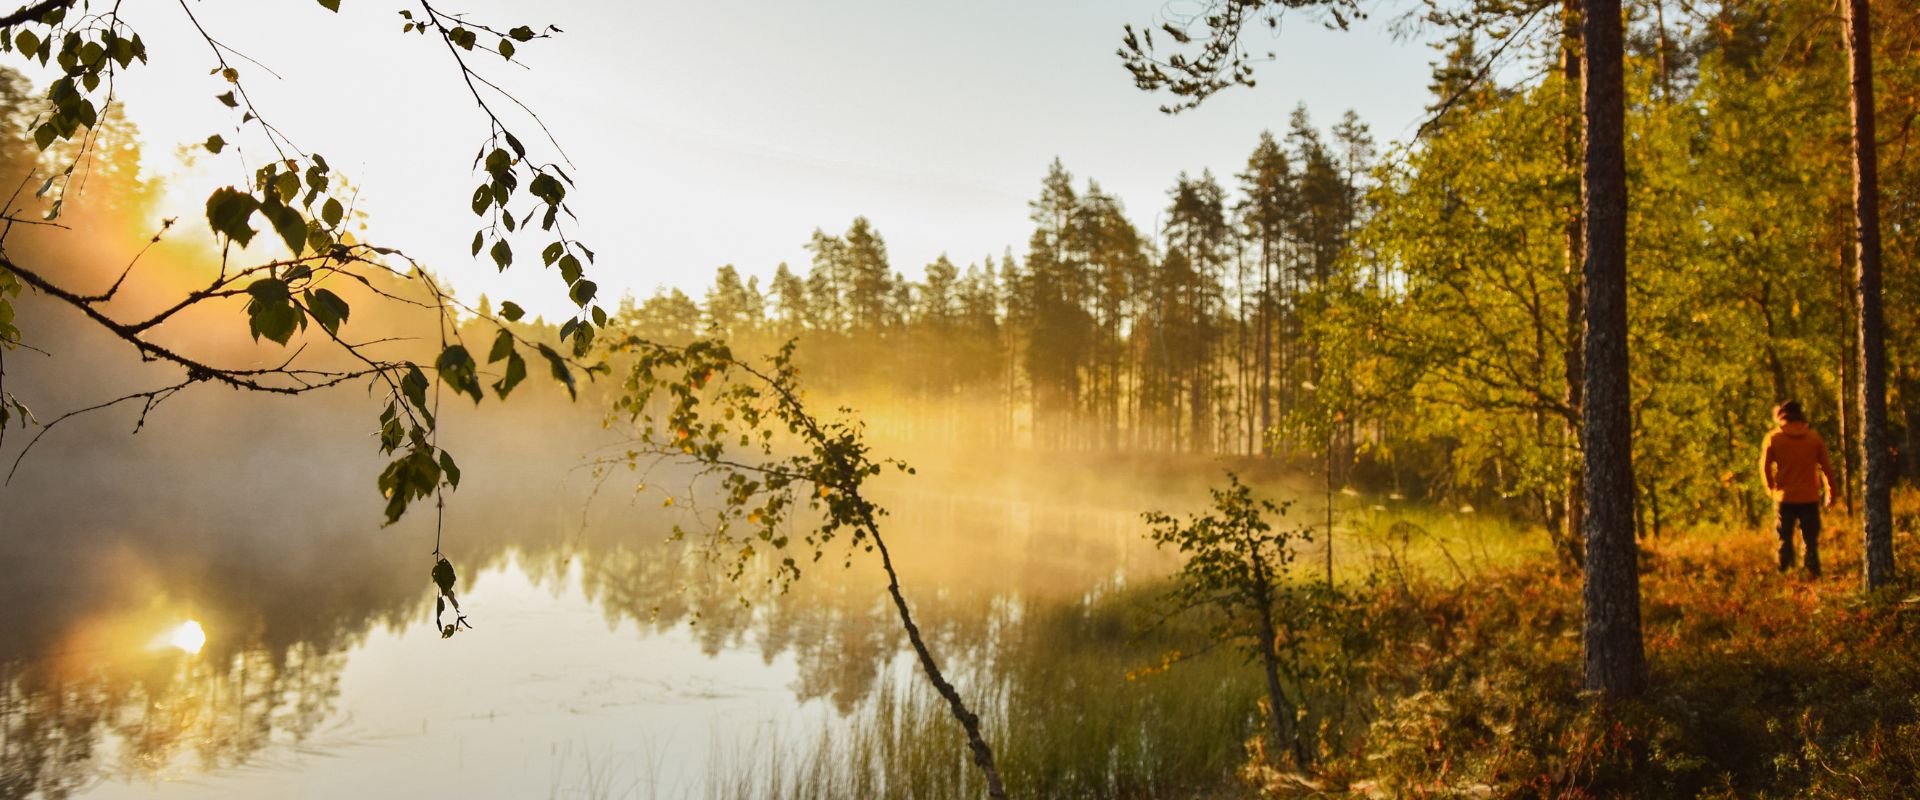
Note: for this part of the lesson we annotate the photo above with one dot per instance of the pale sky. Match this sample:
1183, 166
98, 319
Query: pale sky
708, 133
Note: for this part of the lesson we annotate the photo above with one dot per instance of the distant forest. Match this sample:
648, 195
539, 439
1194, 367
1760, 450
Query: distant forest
1413, 311
1100, 336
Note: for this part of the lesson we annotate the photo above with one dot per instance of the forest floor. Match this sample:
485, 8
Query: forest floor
1763, 684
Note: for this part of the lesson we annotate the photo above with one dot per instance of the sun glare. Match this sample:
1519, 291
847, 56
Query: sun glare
189, 637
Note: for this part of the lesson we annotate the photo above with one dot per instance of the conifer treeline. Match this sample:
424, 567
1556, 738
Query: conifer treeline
1101, 336
1422, 330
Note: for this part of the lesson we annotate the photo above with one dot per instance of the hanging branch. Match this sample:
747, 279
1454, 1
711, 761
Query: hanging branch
700, 406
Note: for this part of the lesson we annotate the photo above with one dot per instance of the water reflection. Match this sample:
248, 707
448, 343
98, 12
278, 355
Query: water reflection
289, 577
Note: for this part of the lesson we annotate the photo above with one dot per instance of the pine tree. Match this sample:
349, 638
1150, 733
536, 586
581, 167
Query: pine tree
1266, 215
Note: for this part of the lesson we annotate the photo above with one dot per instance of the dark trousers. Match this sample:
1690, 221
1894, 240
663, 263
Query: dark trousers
1808, 515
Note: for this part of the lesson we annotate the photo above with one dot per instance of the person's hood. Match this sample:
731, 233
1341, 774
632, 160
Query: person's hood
1794, 429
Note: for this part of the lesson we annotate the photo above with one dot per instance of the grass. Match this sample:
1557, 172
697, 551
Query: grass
1764, 685
1062, 713
1447, 667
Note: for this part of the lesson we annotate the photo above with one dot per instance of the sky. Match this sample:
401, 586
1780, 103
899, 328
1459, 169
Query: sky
702, 134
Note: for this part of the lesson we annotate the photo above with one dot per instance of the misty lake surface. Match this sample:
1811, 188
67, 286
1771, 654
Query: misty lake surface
605, 660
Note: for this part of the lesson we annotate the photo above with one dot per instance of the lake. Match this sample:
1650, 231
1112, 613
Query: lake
605, 661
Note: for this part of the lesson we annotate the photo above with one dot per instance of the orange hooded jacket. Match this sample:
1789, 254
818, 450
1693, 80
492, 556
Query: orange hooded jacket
1793, 460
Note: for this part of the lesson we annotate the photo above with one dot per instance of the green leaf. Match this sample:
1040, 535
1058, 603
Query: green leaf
215, 143
228, 100
269, 290
414, 385
122, 52
28, 42
502, 254
516, 372
456, 367
479, 241
444, 578
270, 311
547, 256
327, 309
569, 269
450, 469
331, 5
583, 341
291, 227
227, 212
287, 185
506, 49
546, 188
560, 371
502, 346
482, 198
511, 311
583, 293
521, 34
332, 212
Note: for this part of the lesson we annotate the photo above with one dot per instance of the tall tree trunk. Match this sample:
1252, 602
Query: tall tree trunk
1846, 370
1266, 345
1877, 524
1613, 658
1573, 537
1910, 389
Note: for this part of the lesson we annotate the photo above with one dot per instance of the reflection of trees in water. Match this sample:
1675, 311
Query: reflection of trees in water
295, 566
142, 720
978, 562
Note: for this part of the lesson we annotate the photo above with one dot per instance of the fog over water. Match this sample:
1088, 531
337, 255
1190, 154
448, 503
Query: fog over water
601, 654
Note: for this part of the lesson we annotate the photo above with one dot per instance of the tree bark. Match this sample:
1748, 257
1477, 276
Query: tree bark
969, 721
1613, 659
1573, 537
1285, 738
1877, 522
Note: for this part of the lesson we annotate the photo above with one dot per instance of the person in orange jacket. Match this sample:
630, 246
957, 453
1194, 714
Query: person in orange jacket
1793, 461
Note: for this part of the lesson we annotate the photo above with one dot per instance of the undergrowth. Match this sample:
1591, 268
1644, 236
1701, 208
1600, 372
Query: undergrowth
1443, 667
1764, 685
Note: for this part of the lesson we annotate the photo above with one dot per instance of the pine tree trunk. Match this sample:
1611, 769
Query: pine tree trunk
1614, 662
1877, 523
1573, 536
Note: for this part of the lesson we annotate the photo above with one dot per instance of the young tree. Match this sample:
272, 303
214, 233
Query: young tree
702, 407
1237, 563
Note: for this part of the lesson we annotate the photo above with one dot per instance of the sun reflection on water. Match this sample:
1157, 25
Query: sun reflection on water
189, 637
